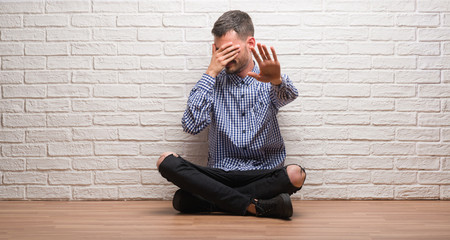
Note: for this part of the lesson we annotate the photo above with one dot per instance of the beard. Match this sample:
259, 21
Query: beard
237, 65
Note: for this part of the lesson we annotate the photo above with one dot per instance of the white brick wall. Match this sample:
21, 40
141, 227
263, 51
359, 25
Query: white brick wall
93, 91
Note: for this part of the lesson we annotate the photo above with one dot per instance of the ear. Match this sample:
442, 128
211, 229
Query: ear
251, 42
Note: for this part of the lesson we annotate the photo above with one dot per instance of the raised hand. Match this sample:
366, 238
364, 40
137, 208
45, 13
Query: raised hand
221, 57
270, 70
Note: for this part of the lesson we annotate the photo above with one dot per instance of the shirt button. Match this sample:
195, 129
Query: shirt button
242, 96
243, 114
243, 131
244, 148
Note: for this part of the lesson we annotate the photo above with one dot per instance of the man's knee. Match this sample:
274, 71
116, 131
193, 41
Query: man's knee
163, 156
296, 175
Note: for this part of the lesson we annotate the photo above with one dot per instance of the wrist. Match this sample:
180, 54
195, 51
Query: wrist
277, 82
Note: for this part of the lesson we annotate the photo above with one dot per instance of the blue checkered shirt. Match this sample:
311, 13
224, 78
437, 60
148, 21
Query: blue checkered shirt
241, 114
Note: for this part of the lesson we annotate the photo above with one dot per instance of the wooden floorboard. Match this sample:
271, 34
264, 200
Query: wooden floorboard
157, 220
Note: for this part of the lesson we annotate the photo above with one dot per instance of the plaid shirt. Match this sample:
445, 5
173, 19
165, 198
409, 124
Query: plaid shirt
244, 132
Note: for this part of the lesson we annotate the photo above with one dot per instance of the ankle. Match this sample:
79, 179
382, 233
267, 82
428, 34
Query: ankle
251, 208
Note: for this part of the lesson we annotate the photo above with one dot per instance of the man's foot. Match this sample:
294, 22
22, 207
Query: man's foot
186, 202
277, 207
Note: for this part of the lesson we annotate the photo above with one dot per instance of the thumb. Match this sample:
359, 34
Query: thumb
253, 75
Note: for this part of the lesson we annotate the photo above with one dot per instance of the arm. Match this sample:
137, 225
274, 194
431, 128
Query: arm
284, 93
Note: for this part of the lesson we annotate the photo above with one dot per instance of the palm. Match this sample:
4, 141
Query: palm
270, 70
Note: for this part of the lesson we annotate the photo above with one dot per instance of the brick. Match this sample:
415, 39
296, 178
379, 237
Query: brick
160, 6
347, 119
23, 63
69, 63
297, 119
94, 49
445, 164
418, 20
48, 135
12, 193
435, 90
10, 21
160, 91
377, 19
92, 77
157, 63
324, 104
445, 192
371, 48
141, 134
64, 90
346, 34
73, 6
434, 119
68, 34
394, 62
137, 163
433, 6
147, 192
116, 178
94, 163
31, 178
325, 193
346, 90
198, 35
69, 178
314, 90
445, 105
11, 106
48, 192
417, 134
393, 148
371, 162
48, 105
393, 119
113, 149
161, 119
95, 134
423, 76
95, 193
392, 34
347, 62
197, 63
417, 192
393, 6
177, 134
370, 192
140, 105
24, 150
356, 6
433, 149
372, 133
187, 49
154, 177
12, 136
417, 163
69, 120
392, 177
45, 21
173, 105
156, 148
322, 133
371, 76
110, 6
434, 62
23, 120
11, 77
70, 149
122, 34
48, 164
11, 49
152, 20
329, 19
24, 91
120, 91
116, 63
143, 49
347, 148
422, 105
12, 164
421, 49
160, 34
434, 34
116, 119
94, 105
206, 6
44, 77
141, 77
23, 35
319, 163
344, 177
184, 20
371, 104
434, 177
93, 21
446, 135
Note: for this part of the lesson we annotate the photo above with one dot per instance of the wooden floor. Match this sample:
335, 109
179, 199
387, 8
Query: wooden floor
157, 220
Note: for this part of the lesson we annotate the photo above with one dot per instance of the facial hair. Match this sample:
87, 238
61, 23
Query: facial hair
241, 65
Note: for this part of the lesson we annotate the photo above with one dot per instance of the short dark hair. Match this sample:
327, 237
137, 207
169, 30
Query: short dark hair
235, 20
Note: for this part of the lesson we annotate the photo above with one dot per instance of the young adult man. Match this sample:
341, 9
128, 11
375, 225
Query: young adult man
239, 101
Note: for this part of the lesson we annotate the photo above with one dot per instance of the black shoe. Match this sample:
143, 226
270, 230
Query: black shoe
186, 202
277, 207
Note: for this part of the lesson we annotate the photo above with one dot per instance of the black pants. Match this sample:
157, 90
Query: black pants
231, 191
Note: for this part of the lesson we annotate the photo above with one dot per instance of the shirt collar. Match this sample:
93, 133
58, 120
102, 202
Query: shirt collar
247, 80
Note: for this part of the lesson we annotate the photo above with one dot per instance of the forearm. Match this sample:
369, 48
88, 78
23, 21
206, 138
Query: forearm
283, 93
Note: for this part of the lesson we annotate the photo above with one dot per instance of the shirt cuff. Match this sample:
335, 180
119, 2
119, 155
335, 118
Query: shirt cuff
206, 82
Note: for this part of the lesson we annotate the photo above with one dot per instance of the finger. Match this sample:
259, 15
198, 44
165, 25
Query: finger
266, 52
274, 54
213, 49
230, 56
256, 55
253, 75
261, 52
225, 46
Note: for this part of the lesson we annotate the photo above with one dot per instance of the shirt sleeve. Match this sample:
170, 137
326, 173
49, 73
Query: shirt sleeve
197, 117
283, 93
